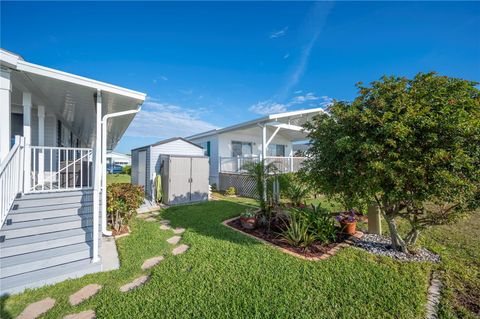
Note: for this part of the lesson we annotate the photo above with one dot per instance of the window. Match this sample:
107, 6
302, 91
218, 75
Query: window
241, 148
276, 150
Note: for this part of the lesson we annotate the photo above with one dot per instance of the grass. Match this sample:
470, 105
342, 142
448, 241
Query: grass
226, 274
118, 178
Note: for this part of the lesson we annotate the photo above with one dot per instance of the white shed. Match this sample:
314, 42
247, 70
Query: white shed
146, 160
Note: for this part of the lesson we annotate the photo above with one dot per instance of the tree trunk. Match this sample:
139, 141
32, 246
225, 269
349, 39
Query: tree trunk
412, 237
397, 242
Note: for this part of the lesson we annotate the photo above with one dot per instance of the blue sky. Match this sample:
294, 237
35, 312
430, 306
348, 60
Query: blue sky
213, 64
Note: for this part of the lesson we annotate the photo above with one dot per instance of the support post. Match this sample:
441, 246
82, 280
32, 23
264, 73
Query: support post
41, 142
6, 110
27, 134
264, 158
374, 220
97, 175
104, 178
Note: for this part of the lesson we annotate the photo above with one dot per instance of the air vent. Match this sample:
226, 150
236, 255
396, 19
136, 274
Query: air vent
9, 222
15, 207
2, 239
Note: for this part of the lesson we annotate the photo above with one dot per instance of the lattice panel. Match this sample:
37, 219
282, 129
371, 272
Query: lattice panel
244, 185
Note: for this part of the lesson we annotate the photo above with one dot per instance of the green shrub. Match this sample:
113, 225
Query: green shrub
127, 169
231, 191
297, 232
293, 188
322, 223
122, 203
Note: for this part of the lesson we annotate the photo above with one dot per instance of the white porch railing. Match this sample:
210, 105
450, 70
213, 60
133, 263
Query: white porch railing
283, 164
59, 169
11, 177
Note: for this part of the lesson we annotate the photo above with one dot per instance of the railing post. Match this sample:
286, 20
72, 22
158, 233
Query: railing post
291, 164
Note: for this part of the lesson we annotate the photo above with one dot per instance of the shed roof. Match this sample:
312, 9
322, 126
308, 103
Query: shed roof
168, 140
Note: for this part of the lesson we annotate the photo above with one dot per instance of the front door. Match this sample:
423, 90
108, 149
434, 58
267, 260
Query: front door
142, 168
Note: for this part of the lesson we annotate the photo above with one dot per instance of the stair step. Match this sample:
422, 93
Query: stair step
53, 194
45, 221
48, 228
51, 275
20, 264
50, 208
52, 201
45, 244
12, 242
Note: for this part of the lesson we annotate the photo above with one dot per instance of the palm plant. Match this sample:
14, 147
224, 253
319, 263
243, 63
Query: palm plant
261, 172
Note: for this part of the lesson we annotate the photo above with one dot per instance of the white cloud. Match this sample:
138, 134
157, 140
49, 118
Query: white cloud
161, 77
286, 56
278, 33
163, 120
299, 99
267, 107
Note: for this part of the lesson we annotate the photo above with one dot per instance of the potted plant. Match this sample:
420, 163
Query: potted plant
248, 219
348, 221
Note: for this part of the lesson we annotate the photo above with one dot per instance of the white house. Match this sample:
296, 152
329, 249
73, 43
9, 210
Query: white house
54, 133
271, 137
115, 158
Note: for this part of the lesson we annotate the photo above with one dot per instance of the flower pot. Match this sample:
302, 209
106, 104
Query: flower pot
248, 222
348, 228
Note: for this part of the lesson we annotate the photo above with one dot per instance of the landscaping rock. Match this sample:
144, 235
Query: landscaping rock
178, 231
87, 314
180, 249
150, 219
149, 263
381, 245
37, 309
165, 222
164, 227
135, 283
174, 240
84, 293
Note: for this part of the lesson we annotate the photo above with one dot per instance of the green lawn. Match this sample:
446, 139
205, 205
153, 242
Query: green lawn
226, 274
118, 178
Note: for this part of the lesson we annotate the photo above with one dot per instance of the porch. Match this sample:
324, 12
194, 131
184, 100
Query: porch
283, 164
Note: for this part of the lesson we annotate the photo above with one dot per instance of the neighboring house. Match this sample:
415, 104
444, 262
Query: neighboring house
51, 176
146, 160
114, 158
270, 137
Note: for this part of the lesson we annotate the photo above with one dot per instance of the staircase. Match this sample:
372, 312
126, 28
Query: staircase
46, 238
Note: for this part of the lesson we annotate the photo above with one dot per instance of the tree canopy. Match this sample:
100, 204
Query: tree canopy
412, 146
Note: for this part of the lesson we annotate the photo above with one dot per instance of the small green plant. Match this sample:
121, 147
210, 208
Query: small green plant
122, 203
127, 169
249, 213
231, 191
293, 188
297, 232
322, 224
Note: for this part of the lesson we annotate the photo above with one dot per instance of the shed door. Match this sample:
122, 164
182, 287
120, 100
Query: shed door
199, 180
142, 168
179, 180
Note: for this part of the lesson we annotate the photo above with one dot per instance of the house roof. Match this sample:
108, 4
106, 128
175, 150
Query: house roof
71, 97
297, 118
168, 140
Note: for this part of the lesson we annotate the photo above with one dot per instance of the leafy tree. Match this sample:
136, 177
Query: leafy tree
412, 146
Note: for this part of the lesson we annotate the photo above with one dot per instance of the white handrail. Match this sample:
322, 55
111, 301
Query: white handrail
11, 177
64, 165
284, 164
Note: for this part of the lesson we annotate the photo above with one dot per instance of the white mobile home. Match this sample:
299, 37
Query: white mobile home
54, 133
146, 160
271, 137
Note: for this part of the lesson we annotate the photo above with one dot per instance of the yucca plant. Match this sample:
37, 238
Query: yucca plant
297, 232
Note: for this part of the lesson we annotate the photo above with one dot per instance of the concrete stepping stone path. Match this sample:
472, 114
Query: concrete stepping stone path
178, 231
164, 227
165, 222
84, 293
87, 314
37, 309
180, 249
135, 283
149, 263
174, 240
150, 219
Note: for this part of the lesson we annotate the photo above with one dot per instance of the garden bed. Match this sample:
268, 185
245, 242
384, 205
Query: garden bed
317, 251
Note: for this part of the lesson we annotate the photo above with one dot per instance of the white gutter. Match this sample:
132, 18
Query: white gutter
105, 118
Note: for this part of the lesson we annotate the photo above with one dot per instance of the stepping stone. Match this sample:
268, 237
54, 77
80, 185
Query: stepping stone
180, 249
149, 263
178, 230
84, 293
37, 309
174, 240
87, 314
164, 227
135, 283
165, 222
150, 219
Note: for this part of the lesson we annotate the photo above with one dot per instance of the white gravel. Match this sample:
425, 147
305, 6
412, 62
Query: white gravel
381, 245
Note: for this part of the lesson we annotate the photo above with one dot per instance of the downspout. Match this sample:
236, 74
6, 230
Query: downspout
105, 118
